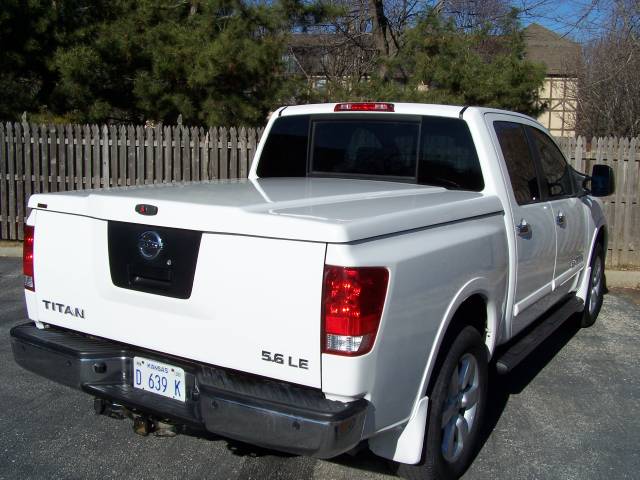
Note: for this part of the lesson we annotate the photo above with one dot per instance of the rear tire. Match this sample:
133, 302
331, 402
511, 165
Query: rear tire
456, 411
595, 292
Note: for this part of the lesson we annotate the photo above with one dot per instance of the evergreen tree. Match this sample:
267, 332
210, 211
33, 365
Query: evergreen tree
25, 37
221, 61
214, 62
448, 65
437, 62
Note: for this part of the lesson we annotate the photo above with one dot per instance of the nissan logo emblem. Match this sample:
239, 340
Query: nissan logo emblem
150, 245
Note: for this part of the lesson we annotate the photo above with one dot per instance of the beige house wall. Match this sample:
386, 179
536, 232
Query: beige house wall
556, 93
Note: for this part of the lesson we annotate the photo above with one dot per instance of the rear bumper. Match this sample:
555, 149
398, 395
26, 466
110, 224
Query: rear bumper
252, 409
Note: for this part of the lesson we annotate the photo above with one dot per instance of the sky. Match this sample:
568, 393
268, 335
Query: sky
579, 20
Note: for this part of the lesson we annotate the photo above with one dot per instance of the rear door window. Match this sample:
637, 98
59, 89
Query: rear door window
517, 156
557, 180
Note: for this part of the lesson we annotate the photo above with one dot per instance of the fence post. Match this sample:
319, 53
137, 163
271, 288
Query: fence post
130, 142
53, 157
633, 220
37, 149
86, 157
242, 145
252, 147
578, 163
177, 174
148, 155
224, 153
62, 158
105, 156
627, 188
233, 153
77, 134
27, 166
96, 175
4, 220
186, 154
139, 151
195, 154
68, 133
167, 154
19, 180
159, 157
122, 156
214, 165
113, 155
204, 154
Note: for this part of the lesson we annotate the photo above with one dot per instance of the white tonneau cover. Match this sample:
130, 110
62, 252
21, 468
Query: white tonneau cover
310, 209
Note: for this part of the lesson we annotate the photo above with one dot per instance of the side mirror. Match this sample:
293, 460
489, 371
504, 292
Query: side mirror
602, 181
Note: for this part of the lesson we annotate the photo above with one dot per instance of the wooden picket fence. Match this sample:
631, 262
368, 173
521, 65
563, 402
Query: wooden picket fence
57, 158
621, 208
51, 158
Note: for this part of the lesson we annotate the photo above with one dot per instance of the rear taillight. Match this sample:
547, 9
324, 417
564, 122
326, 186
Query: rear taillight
352, 304
27, 258
364, 107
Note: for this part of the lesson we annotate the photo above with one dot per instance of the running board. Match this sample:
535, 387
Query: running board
517, 352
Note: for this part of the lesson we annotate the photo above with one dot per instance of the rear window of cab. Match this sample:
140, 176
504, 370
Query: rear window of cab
425, 150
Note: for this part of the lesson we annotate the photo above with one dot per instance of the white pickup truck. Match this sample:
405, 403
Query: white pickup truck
354, 290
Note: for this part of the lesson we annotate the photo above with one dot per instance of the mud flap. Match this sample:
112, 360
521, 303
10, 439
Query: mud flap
404, 443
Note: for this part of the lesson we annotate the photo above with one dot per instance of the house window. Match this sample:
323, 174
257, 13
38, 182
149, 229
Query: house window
320, 84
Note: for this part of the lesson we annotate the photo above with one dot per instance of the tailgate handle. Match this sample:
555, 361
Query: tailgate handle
138, 281
149, 277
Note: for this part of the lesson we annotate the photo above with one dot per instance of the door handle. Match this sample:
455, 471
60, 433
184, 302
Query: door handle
523, 228
561, 219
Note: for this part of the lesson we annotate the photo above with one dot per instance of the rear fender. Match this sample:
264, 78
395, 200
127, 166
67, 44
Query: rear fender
403, 443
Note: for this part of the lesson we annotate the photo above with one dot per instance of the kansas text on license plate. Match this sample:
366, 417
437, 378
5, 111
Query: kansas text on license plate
160, 378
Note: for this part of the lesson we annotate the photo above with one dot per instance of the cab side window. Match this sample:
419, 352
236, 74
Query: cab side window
522, 172
557, 178
448, 155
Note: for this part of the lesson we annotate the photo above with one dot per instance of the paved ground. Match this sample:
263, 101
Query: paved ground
572, 411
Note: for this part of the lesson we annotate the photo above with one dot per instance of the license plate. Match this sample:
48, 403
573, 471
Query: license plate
159, 378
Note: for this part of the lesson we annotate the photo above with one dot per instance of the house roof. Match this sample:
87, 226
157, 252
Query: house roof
560, 55
557, 53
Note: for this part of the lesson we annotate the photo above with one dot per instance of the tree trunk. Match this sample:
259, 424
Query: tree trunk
381, 33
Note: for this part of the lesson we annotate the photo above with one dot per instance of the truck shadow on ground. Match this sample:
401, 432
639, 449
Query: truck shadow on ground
501, 387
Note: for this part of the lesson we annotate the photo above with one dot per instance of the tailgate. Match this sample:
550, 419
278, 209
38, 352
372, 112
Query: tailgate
249, 295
